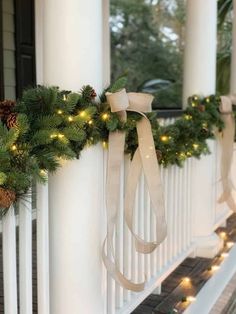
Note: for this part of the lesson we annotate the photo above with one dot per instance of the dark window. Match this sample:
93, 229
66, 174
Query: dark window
25, 45
1, 55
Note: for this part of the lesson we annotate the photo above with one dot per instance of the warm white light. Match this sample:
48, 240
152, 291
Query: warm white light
223, 235
59, 111
191, 299
60, 135
215, 267
224, 255
64, 97
70, 119
13, 147
229, 244
186, 280
105, 116
82, 114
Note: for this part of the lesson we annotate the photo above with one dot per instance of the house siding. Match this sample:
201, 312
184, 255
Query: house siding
9, 65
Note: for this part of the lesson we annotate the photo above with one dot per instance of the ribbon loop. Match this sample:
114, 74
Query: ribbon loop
144, 159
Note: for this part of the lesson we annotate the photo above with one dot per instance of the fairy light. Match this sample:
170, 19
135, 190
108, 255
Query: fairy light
43, 172
104, 144
60, 135
204, 125
223, 235
14, 147
164, 138
229, 244
105, 116
90, 122
207, 99
64, 97
82, 114
59, 111
70, 119
224, 255
189, 154
195, 146
182, 155
53, 136
188, 117
186, 280
190, 298
214, 267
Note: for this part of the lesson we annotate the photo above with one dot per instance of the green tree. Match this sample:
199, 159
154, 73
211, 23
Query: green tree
147, 44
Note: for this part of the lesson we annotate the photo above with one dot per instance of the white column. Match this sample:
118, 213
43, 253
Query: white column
233, 56
200, 78
72, 57
200, 48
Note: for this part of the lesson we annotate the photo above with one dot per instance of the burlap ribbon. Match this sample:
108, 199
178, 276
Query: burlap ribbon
144, 159
227, 143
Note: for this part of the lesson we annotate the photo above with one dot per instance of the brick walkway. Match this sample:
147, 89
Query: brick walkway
174, 289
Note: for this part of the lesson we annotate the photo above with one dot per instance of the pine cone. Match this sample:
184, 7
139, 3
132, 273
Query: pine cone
6, 107
11, 120
88, 93
7, 197
201, 108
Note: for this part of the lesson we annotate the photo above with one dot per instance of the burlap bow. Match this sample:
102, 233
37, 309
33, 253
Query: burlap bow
227, 143
144, 159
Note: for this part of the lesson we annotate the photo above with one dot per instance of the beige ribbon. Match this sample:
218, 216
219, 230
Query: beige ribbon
227, 143
144, 158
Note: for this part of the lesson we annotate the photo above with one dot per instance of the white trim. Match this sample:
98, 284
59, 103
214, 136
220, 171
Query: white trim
211, 291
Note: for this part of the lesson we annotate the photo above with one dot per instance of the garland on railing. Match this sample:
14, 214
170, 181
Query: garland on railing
47, 124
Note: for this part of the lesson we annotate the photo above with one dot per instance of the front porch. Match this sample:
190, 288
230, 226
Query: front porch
51, 251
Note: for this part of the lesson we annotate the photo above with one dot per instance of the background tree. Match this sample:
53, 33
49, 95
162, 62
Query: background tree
147, 44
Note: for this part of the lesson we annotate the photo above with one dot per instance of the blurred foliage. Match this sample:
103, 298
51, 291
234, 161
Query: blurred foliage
224, 45
147, 44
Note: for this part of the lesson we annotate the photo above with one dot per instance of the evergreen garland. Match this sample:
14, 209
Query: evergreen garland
47, 124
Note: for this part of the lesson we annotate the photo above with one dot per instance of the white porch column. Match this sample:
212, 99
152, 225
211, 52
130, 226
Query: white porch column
200, 78
72, 57
233, 56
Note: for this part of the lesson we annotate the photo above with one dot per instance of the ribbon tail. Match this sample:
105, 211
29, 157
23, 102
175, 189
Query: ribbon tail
227, 141
114, 272
145, 157
115, 159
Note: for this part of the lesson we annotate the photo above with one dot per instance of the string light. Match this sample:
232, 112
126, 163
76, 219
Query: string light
187, 117
214, 267
186, 280
104, 144
59, 111
190, 299
223, 235
90, 122
70, 119
229, 244
164, 138
43, 172
195, 146
61, 135
53, 136
207, 99
64, 97
105, 116
82, 114
224, 255
189, 154
14, 147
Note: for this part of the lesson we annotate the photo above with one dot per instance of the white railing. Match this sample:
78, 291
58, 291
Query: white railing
155, 267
